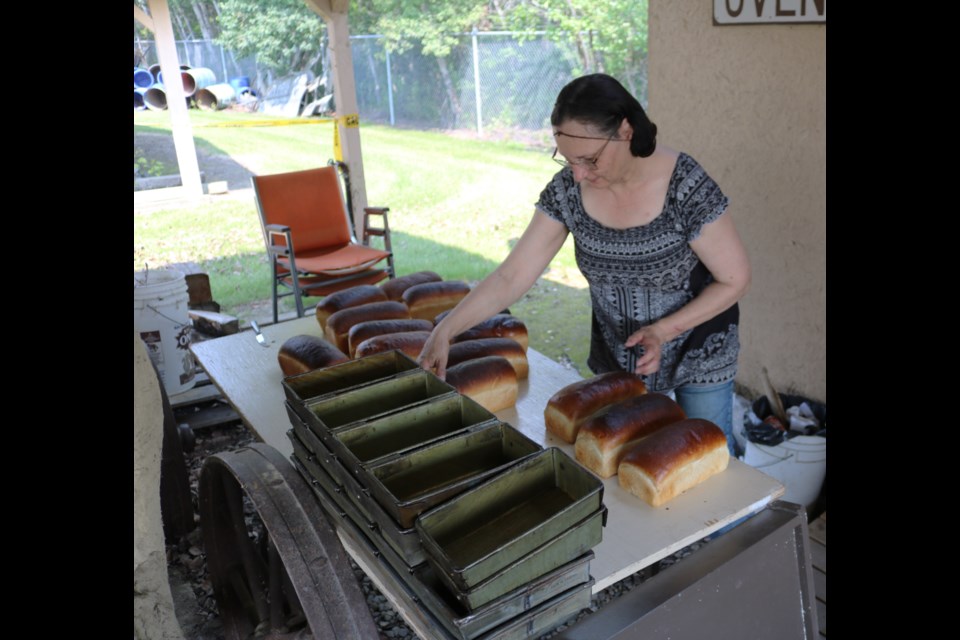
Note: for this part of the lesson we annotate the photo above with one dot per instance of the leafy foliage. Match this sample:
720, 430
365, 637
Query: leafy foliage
284, 34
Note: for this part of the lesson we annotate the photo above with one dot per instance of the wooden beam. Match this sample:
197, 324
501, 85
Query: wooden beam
176, 99
140, 16
334, 13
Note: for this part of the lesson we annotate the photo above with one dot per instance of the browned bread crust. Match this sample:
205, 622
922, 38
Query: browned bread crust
395, 288
501, 325
604, 439
303, 353
472, 349
427, 300
366, 330
490, 381
675, 458
576, 403
338, 326
410, 343
346, 298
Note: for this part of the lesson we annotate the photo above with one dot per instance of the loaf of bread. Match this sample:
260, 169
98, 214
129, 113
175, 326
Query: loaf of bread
578, 402
501, 325
473, 349
366, 330
346, 298
395, 288
427, 300
673, 459
604, 439
444, 314
303, 353
410, 343
490, 381
338, 325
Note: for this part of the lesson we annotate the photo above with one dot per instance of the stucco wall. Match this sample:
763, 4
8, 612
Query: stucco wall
749, 103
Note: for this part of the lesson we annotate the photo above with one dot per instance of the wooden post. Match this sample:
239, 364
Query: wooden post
176, 99
334, 13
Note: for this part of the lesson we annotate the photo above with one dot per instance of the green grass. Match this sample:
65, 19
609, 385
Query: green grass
457, 206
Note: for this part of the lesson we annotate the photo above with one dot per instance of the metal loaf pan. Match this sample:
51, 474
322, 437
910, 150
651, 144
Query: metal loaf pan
373, 400
483, 530
409, 484
312, 442
306, 464
466, 625
405, 430
547, 616
353, 501
554, 553
339, 377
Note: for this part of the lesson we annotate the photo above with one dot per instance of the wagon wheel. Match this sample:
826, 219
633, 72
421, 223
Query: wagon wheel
287, 574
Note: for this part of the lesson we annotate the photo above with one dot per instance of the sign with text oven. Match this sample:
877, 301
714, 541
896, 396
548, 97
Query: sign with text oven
768, 11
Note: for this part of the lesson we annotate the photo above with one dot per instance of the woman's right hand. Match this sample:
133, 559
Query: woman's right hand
433, 356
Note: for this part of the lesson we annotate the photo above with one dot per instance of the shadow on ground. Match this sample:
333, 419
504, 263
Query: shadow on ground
215, 166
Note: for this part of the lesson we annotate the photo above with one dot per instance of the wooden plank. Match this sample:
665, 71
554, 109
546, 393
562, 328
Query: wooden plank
209, 416
818, 529
201, 393
818, 556
820, 585
822, 618
636, 535
214, 324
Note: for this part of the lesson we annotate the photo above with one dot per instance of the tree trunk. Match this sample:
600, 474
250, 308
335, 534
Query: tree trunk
206, 31
451, 91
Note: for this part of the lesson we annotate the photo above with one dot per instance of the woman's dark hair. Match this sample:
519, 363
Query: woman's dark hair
601, 101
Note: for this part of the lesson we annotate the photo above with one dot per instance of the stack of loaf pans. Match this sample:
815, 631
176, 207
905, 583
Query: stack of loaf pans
487, 530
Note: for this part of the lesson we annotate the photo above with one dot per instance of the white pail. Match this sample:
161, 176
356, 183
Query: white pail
161, 318
799, 463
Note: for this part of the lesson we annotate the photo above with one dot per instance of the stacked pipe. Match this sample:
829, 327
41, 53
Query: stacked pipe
200, 84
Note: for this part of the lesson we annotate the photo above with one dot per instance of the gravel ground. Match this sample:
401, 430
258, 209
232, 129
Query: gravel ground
193, 594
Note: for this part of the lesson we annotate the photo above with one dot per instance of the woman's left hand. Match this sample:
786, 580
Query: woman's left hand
651, 338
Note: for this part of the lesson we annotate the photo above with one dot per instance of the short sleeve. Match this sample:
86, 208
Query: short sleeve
699, 199
554, 200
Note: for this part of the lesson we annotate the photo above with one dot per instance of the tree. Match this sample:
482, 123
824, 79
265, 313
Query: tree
609, 36
285, 35
433, 24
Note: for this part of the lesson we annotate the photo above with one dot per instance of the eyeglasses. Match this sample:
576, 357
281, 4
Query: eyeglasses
589, 163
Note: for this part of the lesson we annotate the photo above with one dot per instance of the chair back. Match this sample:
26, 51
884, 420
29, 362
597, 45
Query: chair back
309, 202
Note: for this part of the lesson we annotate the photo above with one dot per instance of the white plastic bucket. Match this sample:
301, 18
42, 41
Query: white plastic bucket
799, 463
161, 318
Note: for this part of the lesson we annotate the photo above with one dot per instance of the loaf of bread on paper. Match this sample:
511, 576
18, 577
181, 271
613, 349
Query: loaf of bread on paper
473, 349
339, 324
490, 381
673, 459
501, 325
346, 298
410, 343
427, 300
366, 330
395, 288
604, 439
578, 402
303, 353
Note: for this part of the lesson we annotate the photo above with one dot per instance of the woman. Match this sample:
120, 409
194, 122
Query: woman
665, 264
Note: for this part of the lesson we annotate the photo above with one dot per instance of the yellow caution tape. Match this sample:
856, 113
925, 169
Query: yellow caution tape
268, 123
337, 151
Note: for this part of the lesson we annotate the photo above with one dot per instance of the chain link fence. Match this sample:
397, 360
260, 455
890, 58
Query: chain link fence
199, 53
490, 80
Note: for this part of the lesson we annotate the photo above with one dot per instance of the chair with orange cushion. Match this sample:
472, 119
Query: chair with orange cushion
308, 236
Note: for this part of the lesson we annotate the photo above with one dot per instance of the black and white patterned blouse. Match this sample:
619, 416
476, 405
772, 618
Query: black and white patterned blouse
641, 274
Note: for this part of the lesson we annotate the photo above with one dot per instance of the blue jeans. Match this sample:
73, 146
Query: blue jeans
713, 402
